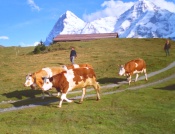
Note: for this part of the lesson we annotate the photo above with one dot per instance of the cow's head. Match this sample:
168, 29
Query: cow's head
47, 83
29, 81
121, 70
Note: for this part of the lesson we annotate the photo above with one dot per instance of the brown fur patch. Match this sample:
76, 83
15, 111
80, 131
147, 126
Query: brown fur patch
80, 65
130, 66
37, 76
80, 74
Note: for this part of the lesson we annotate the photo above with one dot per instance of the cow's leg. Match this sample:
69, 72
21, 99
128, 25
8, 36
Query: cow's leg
58, 94
68, 100
137, 75
50, 94
146, 77
98, 92
97, 88
129, 79
63, 97
83, 94
43, 94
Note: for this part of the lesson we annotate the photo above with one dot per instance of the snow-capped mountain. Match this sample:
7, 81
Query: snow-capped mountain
146, 20
143, 20
68, 23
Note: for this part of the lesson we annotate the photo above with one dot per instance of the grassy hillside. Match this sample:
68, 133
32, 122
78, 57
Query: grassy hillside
104, 55
140, 111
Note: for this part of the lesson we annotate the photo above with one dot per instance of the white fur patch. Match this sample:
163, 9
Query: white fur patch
136, 64
29, 81
48, 71
69, 76
121, 70
64, 67
47, 84
76, 66
137, 72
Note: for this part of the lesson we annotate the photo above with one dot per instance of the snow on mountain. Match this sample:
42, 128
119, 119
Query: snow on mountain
143, 20
68, 23
135, 17
103, 25
72, 24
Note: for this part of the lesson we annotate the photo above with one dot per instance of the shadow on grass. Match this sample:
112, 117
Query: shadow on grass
22, 93
107, 80
36, 102
170, 87
47, 101
29, 98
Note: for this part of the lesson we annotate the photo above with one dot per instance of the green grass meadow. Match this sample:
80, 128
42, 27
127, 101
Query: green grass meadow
149, 110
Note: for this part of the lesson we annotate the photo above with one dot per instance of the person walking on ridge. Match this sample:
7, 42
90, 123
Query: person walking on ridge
167, 47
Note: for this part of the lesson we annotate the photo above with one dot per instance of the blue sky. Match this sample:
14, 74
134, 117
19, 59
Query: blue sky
25, 22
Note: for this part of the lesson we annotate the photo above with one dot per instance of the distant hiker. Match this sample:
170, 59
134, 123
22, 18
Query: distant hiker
117, 35
167, 47
73, 55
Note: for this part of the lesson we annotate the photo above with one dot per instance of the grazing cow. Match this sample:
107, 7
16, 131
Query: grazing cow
133, 67
35, 79
72, 79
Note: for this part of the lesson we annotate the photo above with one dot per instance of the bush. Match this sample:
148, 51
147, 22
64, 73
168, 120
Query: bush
43, 47
39, 48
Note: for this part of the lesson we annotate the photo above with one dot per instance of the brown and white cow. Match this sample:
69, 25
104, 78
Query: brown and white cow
35, 79
135, 66
72, 79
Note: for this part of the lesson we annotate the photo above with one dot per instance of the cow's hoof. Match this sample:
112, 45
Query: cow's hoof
80, 102
58, 106
69, 101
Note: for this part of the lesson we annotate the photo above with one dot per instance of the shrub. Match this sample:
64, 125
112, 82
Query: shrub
39, 48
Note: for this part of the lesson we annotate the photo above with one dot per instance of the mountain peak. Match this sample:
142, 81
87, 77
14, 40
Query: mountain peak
68, 23
145, 5
143, 20
69, 14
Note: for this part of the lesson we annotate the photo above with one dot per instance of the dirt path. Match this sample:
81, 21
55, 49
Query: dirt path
106, 86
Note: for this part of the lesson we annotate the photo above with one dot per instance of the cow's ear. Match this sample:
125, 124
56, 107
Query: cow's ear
51, 79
